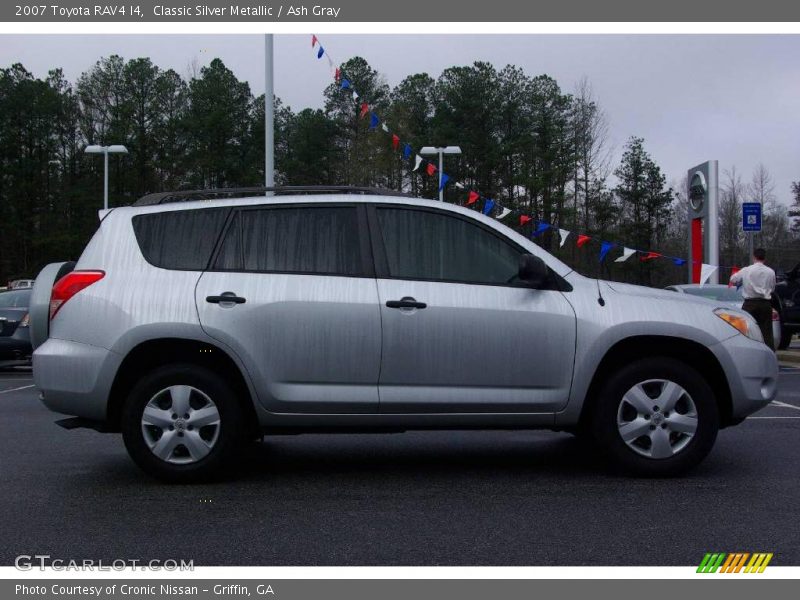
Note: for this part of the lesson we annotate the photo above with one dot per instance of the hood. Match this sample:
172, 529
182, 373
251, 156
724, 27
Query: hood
628, 289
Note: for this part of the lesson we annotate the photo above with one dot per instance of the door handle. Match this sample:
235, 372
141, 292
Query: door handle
226, 297
405, 303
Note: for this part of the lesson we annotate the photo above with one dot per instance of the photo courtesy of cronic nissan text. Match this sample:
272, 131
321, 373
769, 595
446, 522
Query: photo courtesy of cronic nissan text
408, 300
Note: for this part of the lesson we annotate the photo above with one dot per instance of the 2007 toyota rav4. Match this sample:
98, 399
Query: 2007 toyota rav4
194, 325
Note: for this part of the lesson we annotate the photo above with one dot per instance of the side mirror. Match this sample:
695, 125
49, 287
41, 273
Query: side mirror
532, 270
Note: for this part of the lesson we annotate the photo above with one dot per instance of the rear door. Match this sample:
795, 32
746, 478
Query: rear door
459, 334
292, 291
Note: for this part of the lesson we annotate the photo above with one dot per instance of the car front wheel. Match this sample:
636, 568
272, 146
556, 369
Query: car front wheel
182, 424
656, 417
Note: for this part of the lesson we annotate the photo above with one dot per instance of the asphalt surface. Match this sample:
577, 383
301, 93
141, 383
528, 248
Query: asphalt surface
430, 498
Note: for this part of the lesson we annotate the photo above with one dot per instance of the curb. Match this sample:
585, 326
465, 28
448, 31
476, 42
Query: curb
790, 357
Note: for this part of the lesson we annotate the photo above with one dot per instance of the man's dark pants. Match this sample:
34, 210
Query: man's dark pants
761, 310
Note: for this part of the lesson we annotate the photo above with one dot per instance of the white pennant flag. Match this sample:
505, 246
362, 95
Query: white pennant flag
503, 213
564, 235
706, 271
385, 127
418, 163
355, 95
459, 185
626, 254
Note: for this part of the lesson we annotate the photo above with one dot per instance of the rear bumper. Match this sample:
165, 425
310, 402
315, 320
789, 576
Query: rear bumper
74, 378
752, 372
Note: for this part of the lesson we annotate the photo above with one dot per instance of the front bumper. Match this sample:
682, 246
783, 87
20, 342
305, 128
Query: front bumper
751, 369
74, 378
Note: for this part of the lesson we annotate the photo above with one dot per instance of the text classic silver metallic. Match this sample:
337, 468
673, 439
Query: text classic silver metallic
194, 326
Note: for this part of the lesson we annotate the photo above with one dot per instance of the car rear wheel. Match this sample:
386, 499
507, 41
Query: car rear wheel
182, 423
656, 417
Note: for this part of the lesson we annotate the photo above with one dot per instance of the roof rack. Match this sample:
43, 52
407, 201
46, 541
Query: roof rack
189, 195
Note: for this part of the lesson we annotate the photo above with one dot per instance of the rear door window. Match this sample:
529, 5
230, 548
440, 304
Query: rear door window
322, 240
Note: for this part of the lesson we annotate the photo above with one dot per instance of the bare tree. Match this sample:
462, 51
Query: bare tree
731, 237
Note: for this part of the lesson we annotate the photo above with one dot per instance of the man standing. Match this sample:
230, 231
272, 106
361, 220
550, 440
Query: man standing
758, 283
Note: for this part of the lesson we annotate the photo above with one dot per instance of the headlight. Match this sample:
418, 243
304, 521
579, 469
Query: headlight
741, 322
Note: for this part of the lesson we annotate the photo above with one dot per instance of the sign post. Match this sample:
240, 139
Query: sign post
703, 220
751, 221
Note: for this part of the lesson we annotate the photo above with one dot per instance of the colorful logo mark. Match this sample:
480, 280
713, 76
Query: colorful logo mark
735, 562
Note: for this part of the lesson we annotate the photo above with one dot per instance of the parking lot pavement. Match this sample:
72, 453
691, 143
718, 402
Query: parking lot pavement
420, 498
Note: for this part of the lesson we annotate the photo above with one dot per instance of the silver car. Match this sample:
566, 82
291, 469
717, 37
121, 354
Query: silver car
192, 326
725, 296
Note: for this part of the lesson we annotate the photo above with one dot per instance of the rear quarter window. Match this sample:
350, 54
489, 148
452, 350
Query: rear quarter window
180, 240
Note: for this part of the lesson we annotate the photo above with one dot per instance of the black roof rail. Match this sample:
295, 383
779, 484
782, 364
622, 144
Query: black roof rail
189, 195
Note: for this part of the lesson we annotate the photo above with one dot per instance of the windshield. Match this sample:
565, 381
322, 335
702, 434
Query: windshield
722, 293
15, 299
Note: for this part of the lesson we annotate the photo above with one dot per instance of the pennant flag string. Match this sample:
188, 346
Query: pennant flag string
489, 204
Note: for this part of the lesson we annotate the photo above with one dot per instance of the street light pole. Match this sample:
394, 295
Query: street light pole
105, 151
441, 151
269, 114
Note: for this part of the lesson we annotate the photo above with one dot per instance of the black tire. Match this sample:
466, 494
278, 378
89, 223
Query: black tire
694, 449
227, 436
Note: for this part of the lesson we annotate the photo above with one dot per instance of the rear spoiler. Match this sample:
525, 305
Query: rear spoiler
103, 213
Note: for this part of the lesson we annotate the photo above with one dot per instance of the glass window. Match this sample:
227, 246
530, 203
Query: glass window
15, 299
182, 239
429, 245
229, 257
322, 240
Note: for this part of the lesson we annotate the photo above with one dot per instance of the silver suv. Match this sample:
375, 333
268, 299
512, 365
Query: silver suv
192, 326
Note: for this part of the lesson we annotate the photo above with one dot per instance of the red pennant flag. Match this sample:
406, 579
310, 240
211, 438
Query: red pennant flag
395, 141
649, 256
338, 74
734, 271
364, 109
473, 198
524, 219
313, 40
582, 240
431, 169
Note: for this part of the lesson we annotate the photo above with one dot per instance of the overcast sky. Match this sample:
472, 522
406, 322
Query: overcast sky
693, 98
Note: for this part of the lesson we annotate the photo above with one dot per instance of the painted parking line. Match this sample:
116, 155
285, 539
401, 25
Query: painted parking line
784, 405
748, 418
16, 389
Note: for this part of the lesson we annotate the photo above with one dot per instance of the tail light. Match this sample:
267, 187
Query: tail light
775, 315
25, 320
69, 285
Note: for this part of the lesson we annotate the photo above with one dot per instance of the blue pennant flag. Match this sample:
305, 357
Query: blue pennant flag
321, 51
604, 248
679, 262
541, 229
373, 121
443, 182
488, 206
345, 84
407, 151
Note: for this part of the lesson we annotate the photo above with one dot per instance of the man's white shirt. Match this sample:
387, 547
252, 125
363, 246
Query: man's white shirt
758, 281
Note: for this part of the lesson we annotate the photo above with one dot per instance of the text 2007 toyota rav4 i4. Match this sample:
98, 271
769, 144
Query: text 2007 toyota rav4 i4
193, 325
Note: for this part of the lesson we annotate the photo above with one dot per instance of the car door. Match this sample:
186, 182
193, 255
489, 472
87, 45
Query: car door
460, 335
292, 291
